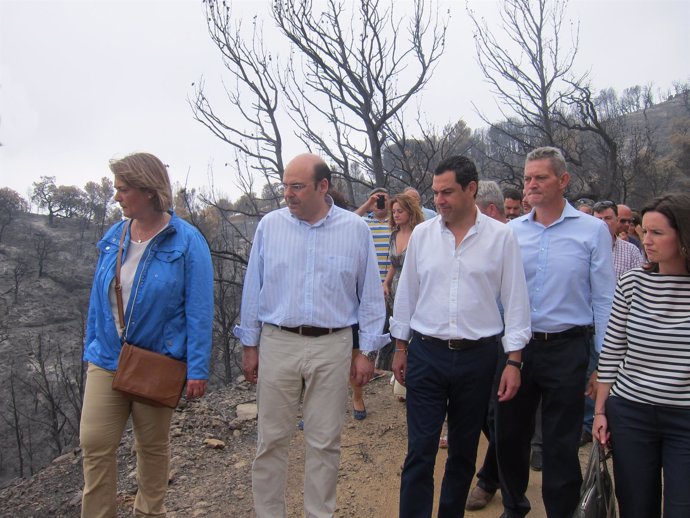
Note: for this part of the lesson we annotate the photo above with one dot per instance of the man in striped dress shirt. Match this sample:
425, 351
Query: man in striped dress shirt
626, 255
312, 274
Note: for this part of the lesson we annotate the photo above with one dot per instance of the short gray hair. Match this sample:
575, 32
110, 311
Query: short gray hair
552, 154
489, 192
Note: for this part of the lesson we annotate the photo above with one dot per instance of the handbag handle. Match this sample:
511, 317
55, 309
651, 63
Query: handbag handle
118, 284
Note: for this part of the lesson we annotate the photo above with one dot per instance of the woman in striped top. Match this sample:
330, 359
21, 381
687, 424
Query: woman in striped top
643, 398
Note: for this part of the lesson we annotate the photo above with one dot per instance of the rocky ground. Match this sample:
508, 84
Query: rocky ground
212, 450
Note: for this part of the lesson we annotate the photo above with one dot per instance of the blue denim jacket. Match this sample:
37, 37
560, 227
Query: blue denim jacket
170, 310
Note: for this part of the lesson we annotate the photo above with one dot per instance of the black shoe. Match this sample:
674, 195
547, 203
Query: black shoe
535, 461
585, 438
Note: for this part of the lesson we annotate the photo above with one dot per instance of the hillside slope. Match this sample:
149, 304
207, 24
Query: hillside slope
215, 483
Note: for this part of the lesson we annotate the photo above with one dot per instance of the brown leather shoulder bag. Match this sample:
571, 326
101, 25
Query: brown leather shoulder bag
142, 375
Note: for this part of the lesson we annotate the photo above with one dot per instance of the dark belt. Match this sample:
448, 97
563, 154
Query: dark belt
457, 344
573, 332
311, 330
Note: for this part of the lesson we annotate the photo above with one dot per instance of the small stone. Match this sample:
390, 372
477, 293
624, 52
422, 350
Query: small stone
246, 411
63, 458
216, 444
76, 499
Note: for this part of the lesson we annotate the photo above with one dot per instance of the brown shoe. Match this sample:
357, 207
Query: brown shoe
478, 499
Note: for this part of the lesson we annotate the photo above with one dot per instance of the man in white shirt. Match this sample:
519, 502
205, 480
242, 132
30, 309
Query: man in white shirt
458, 269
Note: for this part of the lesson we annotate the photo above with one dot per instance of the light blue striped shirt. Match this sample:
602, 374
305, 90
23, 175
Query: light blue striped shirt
323, 275
569, 271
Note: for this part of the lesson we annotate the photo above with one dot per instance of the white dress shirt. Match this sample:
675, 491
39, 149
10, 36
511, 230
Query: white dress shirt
448, 291
322, 275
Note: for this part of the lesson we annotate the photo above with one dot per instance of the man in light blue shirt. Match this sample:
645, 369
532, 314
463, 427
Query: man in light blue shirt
428, 213
568, 266
312, 274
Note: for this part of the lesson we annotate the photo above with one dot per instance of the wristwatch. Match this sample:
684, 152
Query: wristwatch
515, 364
371, 355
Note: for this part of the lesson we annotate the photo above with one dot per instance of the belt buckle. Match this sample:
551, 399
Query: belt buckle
456, 345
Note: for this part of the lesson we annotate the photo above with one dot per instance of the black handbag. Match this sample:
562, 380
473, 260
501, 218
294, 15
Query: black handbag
597, 499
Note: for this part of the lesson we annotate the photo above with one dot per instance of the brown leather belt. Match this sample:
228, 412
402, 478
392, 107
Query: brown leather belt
311, 330
573, 332
457, 344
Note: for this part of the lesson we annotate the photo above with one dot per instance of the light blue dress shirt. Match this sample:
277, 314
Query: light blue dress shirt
428, 213
323, 275
569, 271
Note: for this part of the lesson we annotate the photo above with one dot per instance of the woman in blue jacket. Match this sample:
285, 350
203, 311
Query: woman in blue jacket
167, 291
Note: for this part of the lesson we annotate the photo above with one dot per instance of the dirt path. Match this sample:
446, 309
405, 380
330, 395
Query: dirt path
372, 452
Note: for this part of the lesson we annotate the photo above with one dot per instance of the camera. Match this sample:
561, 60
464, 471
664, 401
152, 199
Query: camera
380, 201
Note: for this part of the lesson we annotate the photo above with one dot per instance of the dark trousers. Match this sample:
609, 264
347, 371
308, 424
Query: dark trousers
439, 381
588, 420
646, 440
487, 476
553, 371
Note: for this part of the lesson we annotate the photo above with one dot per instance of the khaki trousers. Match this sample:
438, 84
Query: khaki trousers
103, 419
287, 363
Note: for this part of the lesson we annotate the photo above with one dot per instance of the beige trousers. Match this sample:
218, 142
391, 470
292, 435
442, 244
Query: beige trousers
288, 362
103, 419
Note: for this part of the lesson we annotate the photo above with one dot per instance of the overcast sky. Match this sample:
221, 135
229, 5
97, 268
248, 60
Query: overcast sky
84, 81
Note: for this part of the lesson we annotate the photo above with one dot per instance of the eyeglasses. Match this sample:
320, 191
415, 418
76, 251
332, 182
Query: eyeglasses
297, 187
625, 221
603, 205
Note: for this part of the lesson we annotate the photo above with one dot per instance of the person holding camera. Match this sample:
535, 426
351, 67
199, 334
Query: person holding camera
374, 211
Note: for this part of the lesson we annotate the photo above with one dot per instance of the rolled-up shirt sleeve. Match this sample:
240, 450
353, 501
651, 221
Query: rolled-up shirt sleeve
372, 306
514, 298
602, 279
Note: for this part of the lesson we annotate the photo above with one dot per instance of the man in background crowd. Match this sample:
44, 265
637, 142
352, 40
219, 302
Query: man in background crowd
428, 213
490, 200
375, 212
512, 203
584, 205
625, 257
625, 229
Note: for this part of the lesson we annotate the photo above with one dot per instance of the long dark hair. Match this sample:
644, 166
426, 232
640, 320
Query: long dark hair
676, 208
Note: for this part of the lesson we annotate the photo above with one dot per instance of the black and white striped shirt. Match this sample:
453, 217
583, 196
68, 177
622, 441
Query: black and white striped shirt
646, 352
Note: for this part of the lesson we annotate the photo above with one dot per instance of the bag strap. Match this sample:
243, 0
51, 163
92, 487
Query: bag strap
118, 284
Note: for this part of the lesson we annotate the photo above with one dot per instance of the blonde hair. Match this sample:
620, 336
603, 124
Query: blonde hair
408, 204
145, 171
